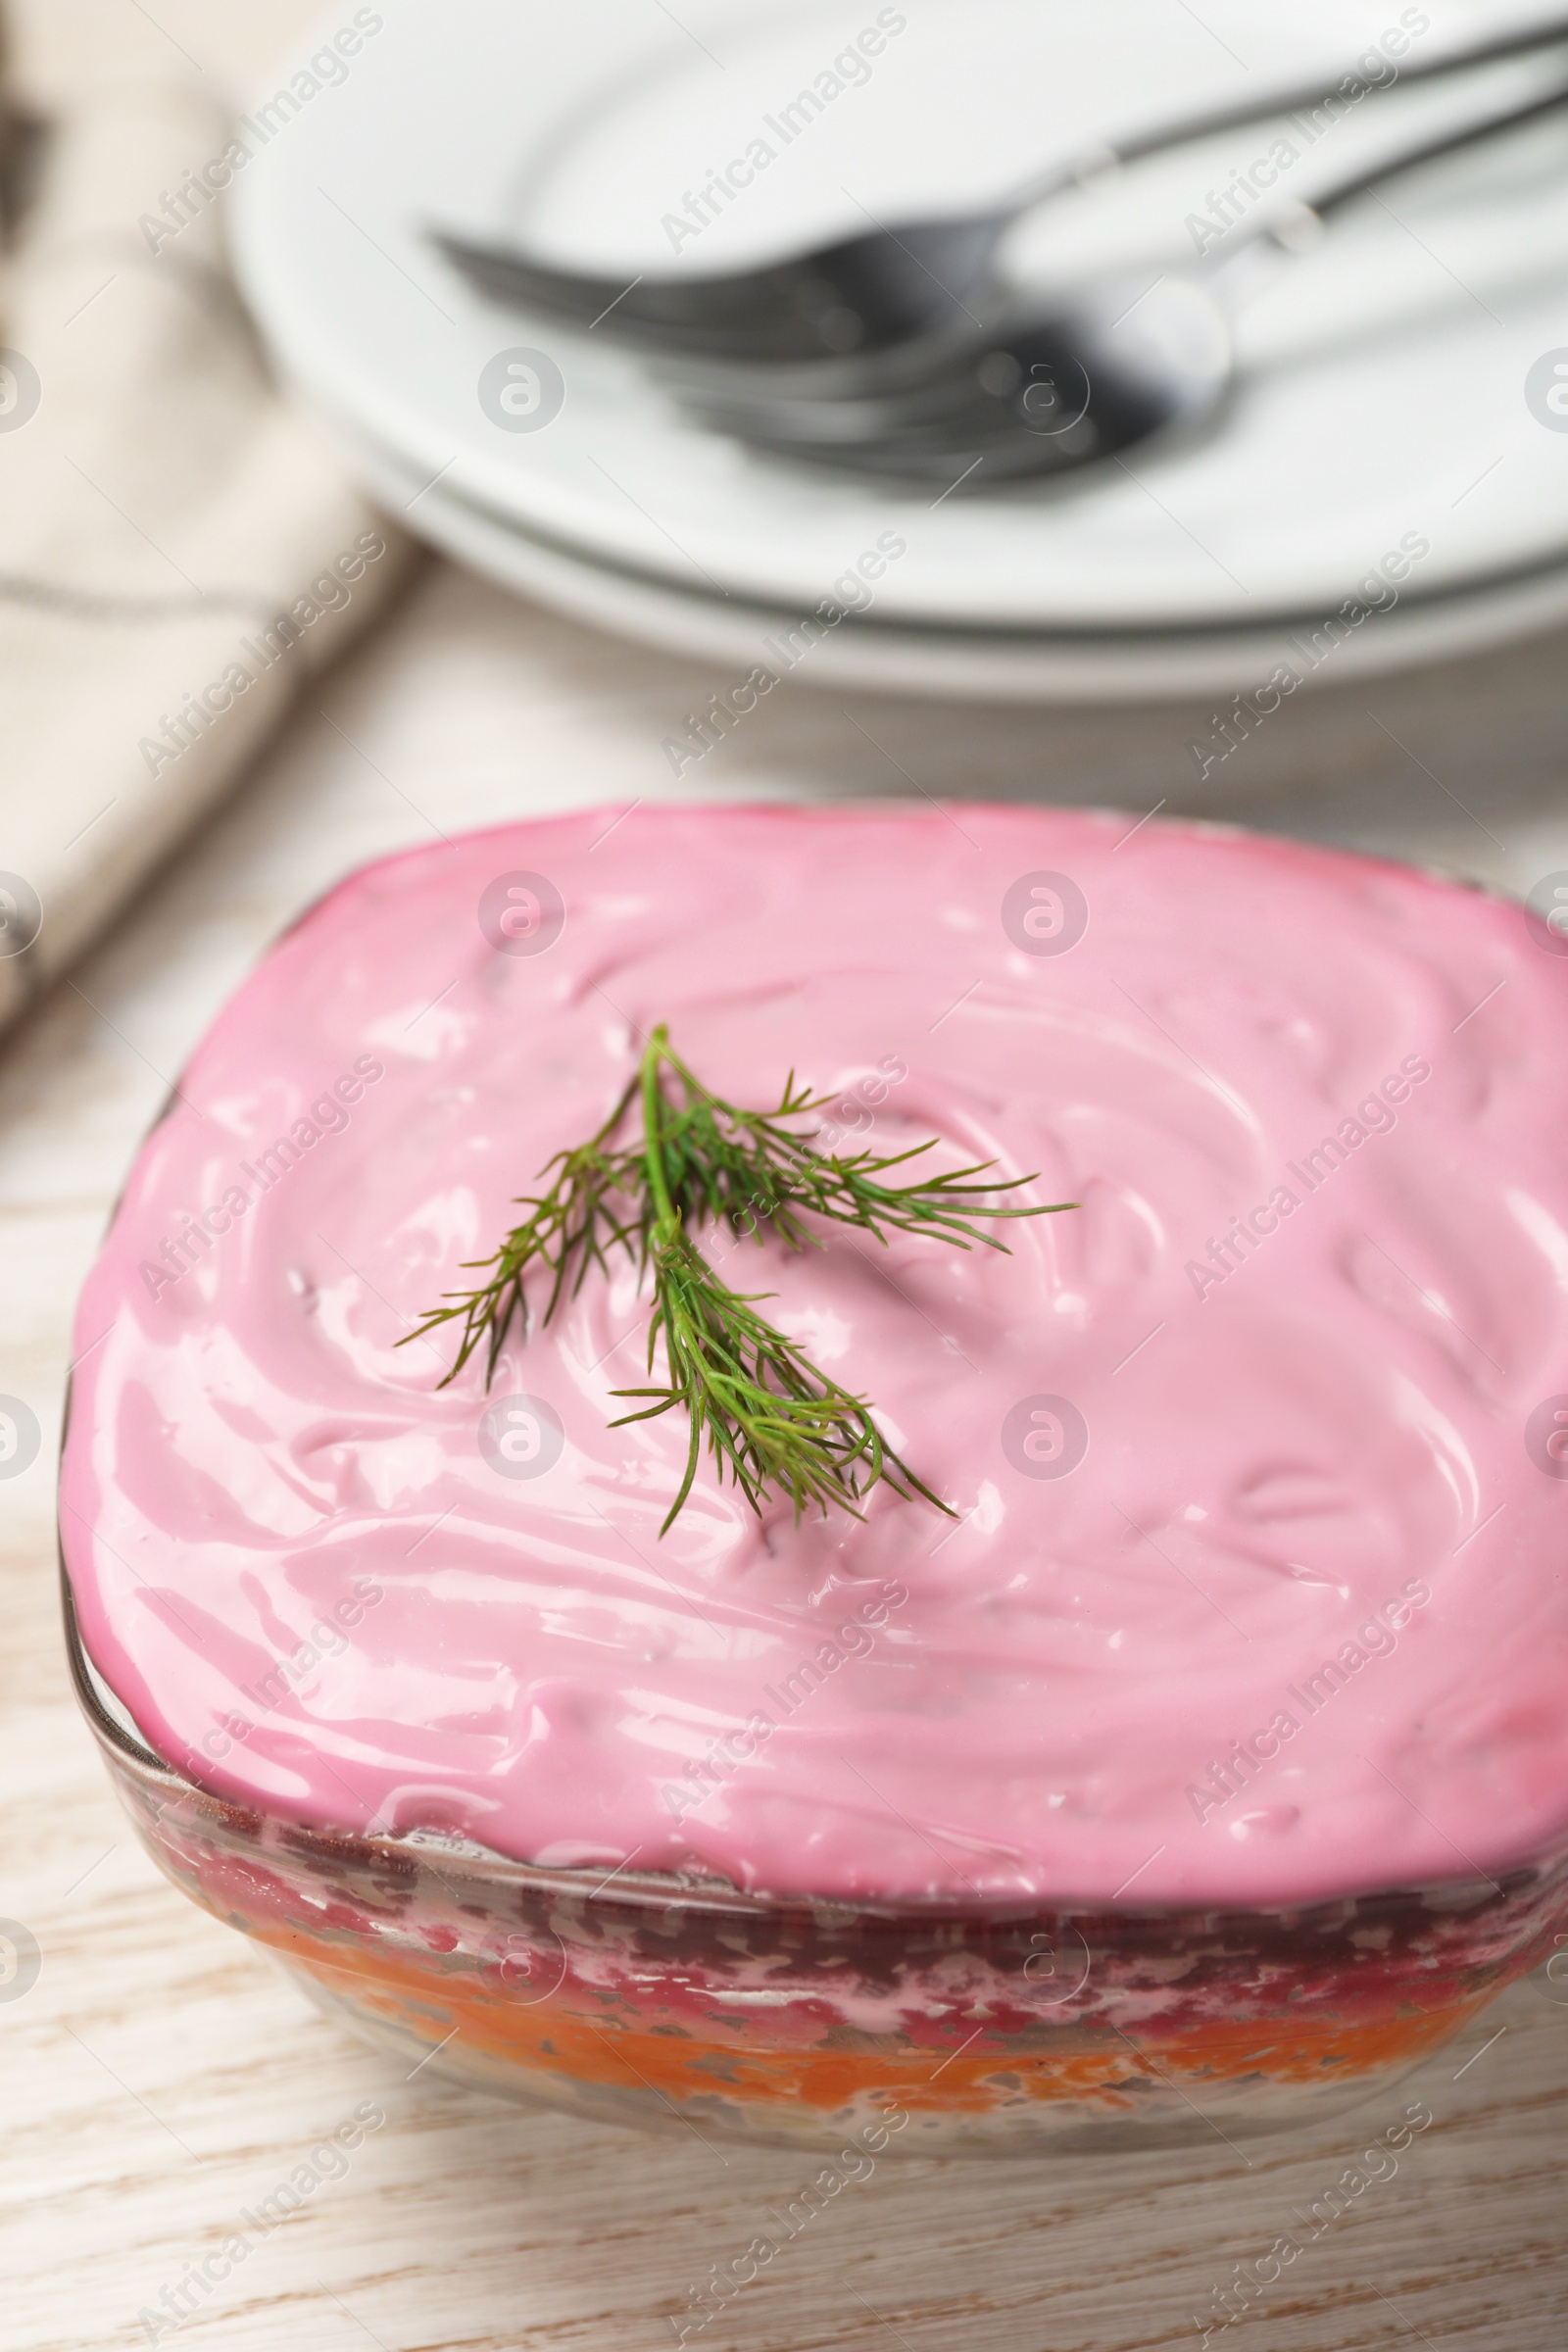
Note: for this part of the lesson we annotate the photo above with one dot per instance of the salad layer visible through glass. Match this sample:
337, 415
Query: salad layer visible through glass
651, 2001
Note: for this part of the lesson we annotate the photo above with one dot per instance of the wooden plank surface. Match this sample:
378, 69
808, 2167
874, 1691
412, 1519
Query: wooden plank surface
161, 2077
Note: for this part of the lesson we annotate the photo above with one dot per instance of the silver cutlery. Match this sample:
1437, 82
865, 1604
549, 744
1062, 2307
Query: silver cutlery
1067, 383
884, 286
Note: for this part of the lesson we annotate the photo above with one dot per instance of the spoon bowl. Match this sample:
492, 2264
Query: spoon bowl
1074, 383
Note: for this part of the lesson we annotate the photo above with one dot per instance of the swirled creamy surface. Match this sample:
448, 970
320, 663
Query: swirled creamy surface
1255, 1590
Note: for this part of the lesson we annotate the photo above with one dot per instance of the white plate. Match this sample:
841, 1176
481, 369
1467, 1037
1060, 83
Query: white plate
985, 665
1383, 380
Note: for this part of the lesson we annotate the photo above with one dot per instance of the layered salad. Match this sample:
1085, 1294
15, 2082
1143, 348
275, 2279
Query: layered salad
1172, 1679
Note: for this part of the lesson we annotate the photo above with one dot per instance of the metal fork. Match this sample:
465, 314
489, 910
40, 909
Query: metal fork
884, 286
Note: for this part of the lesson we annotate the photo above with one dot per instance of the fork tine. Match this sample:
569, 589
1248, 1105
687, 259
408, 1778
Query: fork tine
764, 310
512, 278
864, 294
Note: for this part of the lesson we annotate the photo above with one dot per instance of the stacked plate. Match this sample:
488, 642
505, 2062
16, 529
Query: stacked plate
1385, 485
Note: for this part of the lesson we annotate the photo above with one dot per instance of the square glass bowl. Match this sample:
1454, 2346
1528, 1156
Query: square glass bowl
645, 1999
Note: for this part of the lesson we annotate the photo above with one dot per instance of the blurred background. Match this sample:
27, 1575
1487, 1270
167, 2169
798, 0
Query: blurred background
318, 539
578, 572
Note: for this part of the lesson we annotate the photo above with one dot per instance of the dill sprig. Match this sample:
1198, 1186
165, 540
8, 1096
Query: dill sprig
770, 1420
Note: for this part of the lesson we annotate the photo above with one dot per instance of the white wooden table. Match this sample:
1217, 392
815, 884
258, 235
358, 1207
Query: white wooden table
160, 2078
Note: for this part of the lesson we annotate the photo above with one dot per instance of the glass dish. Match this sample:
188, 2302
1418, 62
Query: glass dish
656, 2001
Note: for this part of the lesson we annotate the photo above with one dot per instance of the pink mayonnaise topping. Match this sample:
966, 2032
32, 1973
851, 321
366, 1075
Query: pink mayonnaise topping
1256, 1447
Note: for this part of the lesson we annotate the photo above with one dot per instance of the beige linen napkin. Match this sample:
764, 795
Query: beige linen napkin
180, 552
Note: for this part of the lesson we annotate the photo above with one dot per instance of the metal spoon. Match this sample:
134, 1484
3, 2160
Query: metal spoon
1058, 389
885, 286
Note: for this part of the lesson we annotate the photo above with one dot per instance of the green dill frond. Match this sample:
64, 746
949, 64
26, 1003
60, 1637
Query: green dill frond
771, 1422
